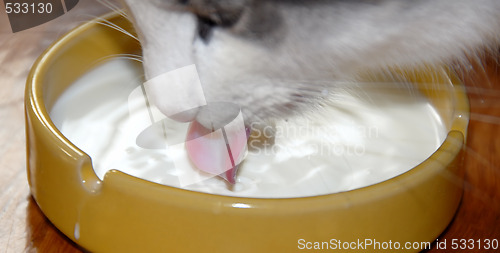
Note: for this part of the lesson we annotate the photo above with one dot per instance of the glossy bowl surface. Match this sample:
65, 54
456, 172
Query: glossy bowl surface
126, 214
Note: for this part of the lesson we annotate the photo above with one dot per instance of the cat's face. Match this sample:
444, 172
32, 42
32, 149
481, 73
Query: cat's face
278, 57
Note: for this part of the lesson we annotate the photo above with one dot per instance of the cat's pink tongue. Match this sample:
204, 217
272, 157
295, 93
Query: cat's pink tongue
217, 152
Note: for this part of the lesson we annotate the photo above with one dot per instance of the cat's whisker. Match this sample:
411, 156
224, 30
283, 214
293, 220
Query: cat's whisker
132, 57
114, 8
487, 168
484, 92
116, 27
485, 163
489, 119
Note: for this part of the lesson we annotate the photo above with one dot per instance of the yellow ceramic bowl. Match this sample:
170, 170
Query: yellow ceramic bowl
127, 214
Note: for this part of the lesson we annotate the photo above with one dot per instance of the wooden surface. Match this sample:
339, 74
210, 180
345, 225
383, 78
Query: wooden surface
23, 228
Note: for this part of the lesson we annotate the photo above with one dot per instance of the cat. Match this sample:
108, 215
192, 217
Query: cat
277, 58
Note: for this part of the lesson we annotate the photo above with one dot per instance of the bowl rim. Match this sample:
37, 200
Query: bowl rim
67, 190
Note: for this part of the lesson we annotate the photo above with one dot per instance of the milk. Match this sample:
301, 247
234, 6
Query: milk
369, 133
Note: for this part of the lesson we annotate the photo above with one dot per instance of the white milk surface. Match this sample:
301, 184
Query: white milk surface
368, 136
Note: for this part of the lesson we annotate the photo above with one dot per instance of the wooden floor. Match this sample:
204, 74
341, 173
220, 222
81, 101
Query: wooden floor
23, 227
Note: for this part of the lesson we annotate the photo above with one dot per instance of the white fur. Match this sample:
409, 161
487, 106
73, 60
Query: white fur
314, 45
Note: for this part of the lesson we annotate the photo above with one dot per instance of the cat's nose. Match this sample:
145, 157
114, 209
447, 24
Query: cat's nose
216, 115
225, 15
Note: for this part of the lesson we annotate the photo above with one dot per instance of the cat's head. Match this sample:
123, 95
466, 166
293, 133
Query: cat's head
274, 58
